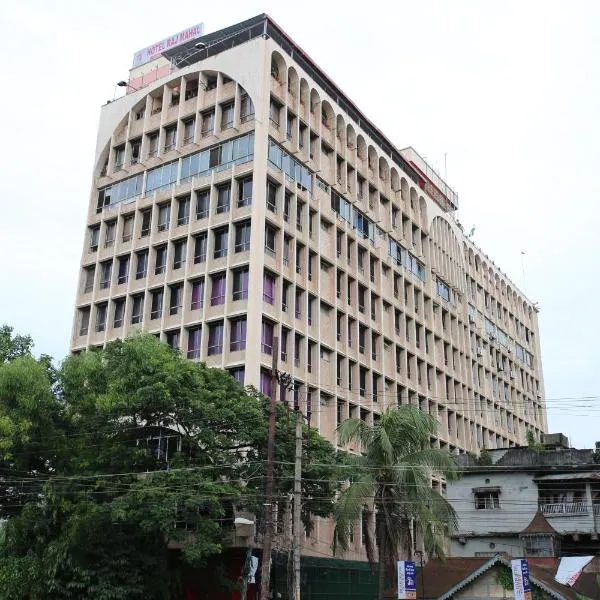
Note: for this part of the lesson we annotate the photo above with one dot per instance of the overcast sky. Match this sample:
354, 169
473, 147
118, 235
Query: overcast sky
508, 90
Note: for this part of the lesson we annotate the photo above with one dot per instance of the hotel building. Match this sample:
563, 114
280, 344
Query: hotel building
239, 195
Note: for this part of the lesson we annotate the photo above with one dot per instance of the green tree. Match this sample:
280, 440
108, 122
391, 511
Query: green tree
146, 448
391, 479
13, 346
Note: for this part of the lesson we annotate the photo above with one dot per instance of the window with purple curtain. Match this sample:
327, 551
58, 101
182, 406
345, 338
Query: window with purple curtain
218, 289
215, 338
266, 384
269, 288
239, 374
198, 295
194, 342
238, 335
240, 284
267, 337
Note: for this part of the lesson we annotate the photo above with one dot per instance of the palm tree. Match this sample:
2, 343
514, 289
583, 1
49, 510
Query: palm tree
391, 478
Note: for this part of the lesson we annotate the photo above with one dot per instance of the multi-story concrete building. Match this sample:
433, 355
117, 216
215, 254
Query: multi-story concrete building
239, 195
528, 502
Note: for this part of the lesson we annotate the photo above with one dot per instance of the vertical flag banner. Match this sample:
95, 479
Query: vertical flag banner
521, 582
407, 580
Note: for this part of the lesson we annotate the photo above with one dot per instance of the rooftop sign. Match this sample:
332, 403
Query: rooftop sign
145, 55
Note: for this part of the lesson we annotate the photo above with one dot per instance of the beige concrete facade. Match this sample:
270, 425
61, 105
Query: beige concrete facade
314, 232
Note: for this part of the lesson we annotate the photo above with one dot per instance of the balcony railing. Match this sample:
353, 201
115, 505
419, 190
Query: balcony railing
597, 509
564, 508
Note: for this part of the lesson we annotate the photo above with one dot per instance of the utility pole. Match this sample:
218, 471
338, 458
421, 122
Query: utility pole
297, 501
265, 571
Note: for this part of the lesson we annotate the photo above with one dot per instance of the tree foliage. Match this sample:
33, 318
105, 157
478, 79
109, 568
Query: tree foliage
391, 480
123, 452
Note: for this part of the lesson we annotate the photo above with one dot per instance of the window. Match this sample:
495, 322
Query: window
238, 374
266, 343
270, 236
266, 383
153, 144
123, 275
94, 237
170, 137
189, 128
157, 304
223, 198
245, 192
101, 310
299, 212
119, 156
221, 237
119, 313
284, 295
246, 108
194, 342
211, 82
127, 228
227, 116
202, 204
218, 289
240, 284
242, 236
269, 288
274, 112
137, 310
90, 275
191, 89
289, 127
215, 338
286, 206
160, 264
173, 338
283, 343
200, 244
85, 321
175, 293
238, 335
197, 295
487, 499
299, 250
136, 146
298, 304
140, 114
146, 221
272, 196
443, 290
179, 254
163, 217
208, 123
183, 210
109, 236
142, 264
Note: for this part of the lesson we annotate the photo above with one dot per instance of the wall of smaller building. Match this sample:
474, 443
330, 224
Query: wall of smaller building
484, 588
518, 502
487, 546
